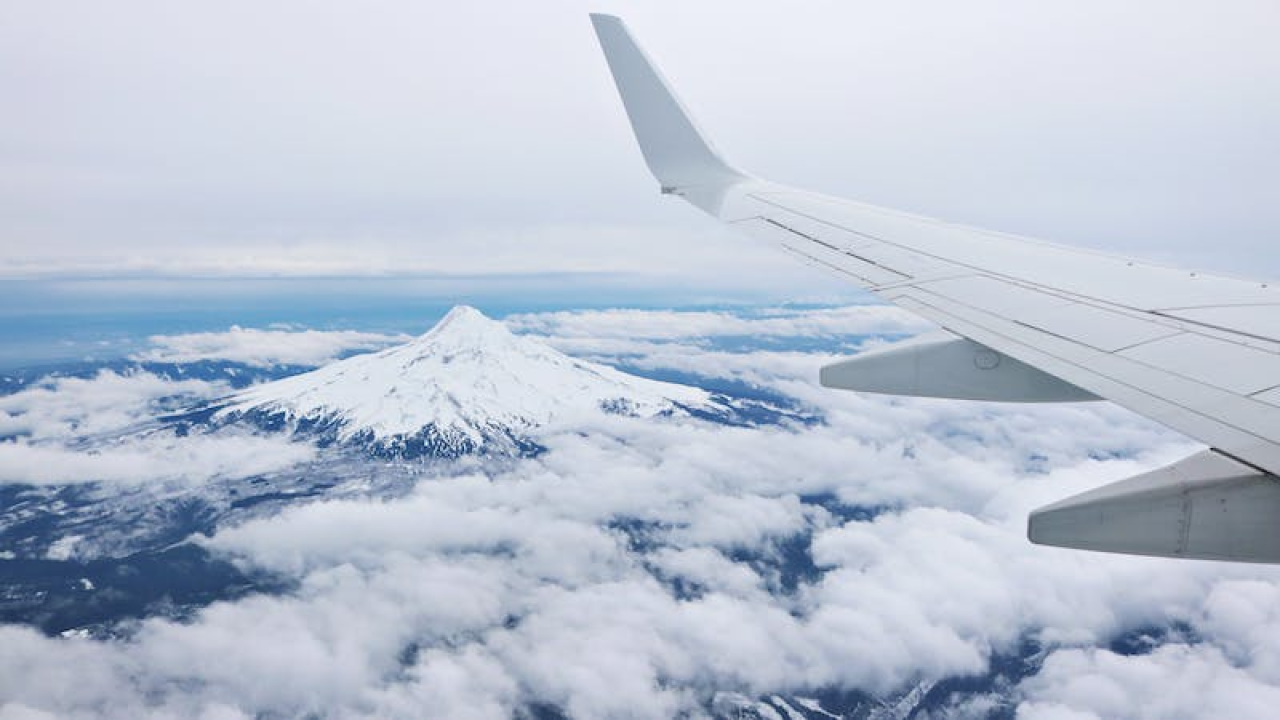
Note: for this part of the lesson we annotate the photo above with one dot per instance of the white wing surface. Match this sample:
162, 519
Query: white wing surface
1025, 320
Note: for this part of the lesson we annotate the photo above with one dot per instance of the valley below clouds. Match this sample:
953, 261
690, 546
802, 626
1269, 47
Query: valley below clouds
848, 556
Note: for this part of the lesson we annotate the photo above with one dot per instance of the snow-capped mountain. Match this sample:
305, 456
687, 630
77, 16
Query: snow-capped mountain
468, 385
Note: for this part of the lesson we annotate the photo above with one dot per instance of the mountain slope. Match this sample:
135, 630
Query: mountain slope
467, 386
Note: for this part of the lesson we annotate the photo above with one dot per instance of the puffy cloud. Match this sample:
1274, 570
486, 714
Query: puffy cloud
1243, 618
520, 578
1172, 681
63, 408
706, 567
158, 456
49, 423
264, 348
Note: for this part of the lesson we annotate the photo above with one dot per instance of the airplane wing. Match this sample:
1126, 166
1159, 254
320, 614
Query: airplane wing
1027, 321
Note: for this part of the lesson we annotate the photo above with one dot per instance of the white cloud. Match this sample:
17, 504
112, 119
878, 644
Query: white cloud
707, 567
264, 348
62, 408
116, 411
726, 521
1243, 618
153, 457
1173, 681
924, 593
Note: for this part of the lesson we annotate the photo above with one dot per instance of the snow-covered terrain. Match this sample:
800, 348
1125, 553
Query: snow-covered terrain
468, 385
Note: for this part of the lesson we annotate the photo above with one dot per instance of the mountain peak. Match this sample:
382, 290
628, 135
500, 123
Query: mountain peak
464, 325
466, 384
462, 316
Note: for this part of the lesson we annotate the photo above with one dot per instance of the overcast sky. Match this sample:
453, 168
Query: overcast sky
328, 138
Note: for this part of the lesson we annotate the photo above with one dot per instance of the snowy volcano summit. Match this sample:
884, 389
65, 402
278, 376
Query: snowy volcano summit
467, 386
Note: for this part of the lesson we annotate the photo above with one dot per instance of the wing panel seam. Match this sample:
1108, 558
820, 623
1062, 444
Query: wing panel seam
1079, 297
835, 248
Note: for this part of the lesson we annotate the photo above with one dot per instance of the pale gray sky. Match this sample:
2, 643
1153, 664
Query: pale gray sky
342, 138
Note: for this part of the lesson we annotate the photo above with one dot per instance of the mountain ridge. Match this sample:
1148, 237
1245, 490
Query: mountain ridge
467, 386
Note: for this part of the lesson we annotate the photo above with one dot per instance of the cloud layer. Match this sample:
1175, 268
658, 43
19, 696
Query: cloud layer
264, 348
638, 569
135, 143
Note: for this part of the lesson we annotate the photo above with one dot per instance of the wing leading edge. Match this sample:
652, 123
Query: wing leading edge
1030, 321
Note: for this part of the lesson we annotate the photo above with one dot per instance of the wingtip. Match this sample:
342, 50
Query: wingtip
677, 152
598, 18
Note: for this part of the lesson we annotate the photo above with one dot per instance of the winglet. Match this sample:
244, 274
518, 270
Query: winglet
677, 153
